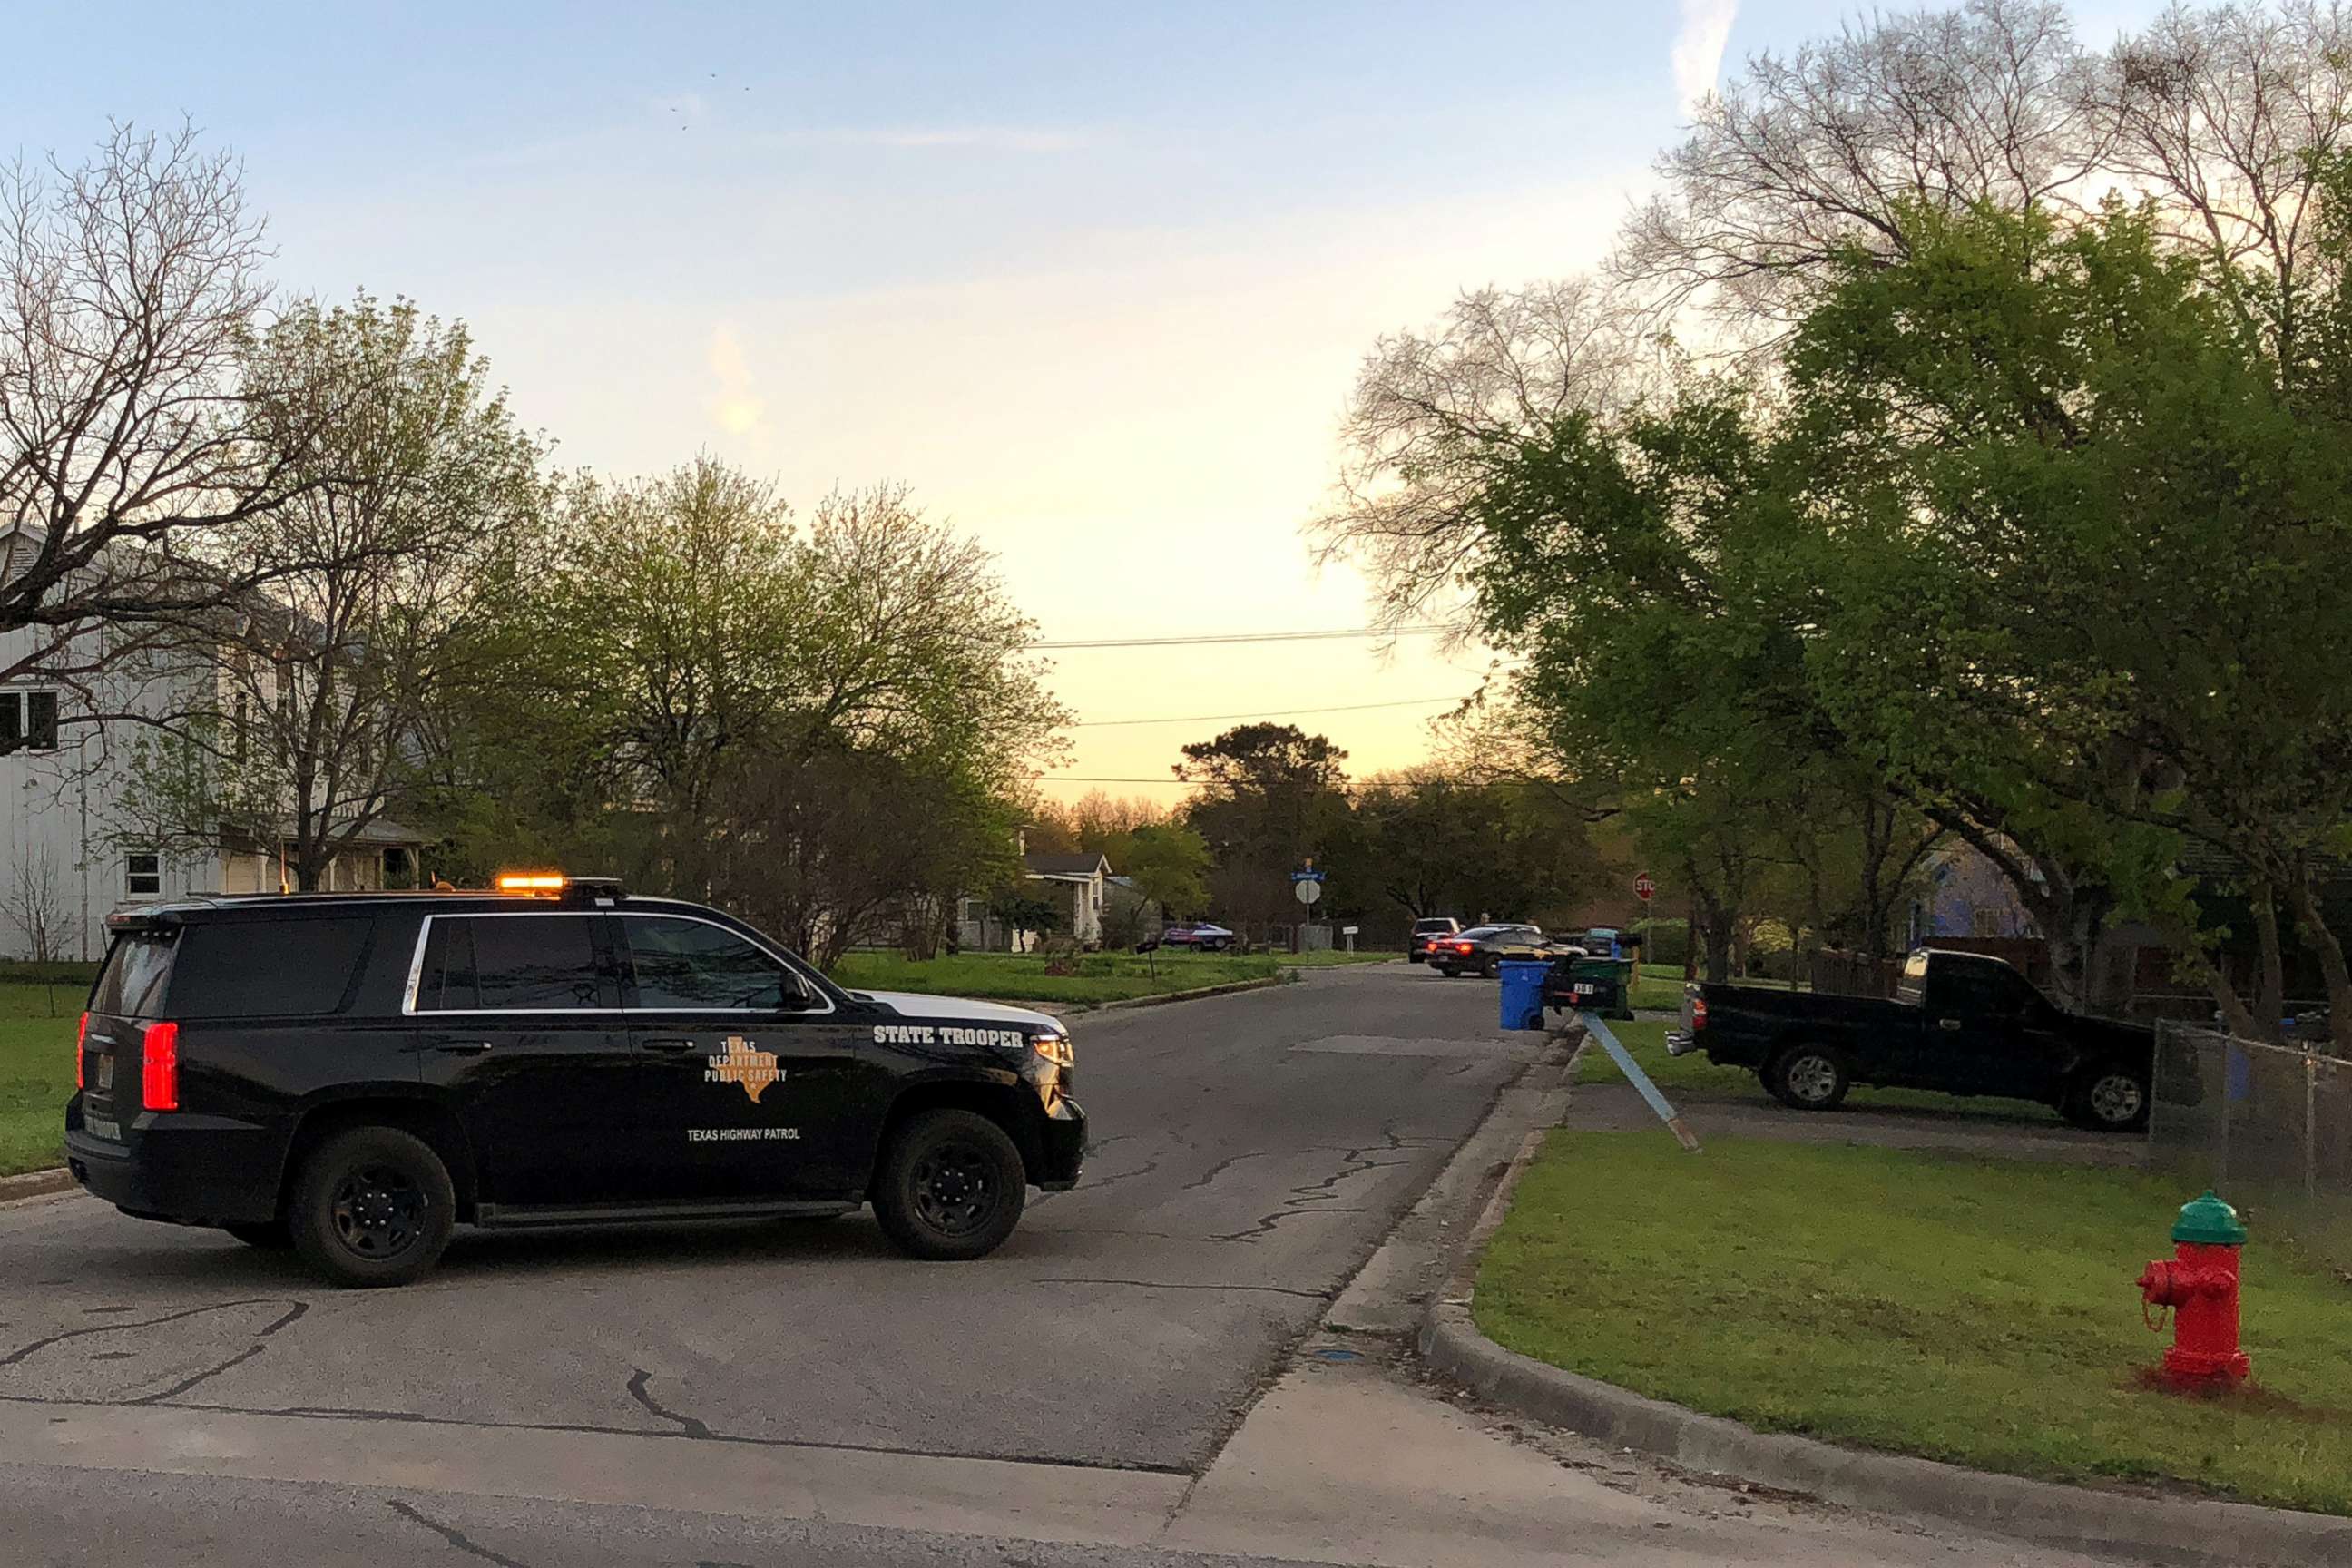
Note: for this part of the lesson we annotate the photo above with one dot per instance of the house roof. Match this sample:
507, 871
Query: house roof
1065, 865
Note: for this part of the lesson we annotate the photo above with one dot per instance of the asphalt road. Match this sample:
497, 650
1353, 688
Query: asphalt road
1252, 1151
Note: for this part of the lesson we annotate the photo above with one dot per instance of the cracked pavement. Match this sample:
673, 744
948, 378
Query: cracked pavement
1238, 1182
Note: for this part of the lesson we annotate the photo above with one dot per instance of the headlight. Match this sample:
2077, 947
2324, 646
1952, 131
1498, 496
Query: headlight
1054, 1048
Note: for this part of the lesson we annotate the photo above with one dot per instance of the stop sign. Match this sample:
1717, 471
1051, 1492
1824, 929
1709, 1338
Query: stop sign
1645, 888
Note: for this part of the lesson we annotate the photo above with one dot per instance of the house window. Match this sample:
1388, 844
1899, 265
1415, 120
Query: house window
143, 873
1983, 921
975, 911
28, 721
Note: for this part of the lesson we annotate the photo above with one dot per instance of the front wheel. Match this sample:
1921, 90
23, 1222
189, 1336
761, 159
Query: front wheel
2109, 1099
373, 1206
952, 1186
1807, 1078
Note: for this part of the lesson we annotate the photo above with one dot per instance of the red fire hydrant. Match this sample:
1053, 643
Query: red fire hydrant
2200, 1285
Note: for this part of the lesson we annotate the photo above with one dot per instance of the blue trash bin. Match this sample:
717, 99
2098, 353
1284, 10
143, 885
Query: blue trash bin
1523, 993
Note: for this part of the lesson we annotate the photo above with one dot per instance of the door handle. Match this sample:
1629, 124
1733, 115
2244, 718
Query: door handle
461, 1047
1952, 1024
667, 1047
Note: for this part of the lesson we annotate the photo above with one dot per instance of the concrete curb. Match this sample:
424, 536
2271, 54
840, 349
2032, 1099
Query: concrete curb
35, 1184
2147, 1526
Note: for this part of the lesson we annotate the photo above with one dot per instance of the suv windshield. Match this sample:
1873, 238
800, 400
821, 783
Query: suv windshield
131, 983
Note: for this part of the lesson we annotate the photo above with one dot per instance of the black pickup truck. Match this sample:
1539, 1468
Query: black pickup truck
1958, 1022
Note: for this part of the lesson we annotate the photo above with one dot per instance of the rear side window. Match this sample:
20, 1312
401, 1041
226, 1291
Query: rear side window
268, 968
131, 983
511, 963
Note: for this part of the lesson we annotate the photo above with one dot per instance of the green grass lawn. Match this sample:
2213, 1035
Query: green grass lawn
1332, 956
36, 1070
1646, 1040
1976, 1312
1021, 977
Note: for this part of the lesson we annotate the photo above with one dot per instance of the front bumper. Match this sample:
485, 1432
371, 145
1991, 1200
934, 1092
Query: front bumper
1061, 1147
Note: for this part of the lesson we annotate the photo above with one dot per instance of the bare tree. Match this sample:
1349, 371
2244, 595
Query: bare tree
1430, 408
1813, 153
129, 438
35, 903
2229, 117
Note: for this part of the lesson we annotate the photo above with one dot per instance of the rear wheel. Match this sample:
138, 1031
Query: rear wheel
952, 1186
2109, 1099
1490, 970
372, 1205
1808, 1077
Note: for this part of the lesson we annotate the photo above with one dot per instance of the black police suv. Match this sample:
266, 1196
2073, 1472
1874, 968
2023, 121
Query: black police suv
354, 1074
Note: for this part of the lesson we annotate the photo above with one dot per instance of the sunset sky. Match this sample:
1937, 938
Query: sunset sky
1093, 280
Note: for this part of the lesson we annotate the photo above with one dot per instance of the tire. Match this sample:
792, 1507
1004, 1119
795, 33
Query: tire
2109, 1098
1491, 970
1808, 1078
268, 1236
950, 1188
1448, 971
372, 1205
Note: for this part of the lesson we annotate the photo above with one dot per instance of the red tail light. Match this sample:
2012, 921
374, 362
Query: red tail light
1698, 1012
159, 1059
81, 1044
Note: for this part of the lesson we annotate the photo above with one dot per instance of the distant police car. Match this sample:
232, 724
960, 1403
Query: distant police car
354, 1074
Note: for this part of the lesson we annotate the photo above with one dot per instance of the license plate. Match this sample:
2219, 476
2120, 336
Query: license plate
105, 1073
1583, 988
99, 1127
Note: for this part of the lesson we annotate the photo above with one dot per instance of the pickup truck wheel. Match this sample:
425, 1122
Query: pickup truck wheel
1808, 1078
952, 1186
2110, 1098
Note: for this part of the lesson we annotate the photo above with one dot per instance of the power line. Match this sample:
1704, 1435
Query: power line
1083, 778
1277, 713
1204, 641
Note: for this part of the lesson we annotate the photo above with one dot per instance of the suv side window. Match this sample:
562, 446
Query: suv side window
510, 963
263, 968
691, 965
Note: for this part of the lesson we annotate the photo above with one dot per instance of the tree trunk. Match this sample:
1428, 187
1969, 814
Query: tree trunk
2269, 993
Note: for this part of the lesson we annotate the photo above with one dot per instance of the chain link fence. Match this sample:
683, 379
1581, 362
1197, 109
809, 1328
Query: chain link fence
2268, 1127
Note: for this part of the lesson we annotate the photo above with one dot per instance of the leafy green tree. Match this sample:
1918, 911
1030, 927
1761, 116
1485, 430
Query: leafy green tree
325, 688
1170, 863
1270, 797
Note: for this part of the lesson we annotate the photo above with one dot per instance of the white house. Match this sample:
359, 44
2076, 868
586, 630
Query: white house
1077, 886
67, 853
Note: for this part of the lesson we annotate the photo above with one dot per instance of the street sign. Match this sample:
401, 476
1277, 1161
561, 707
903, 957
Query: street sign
1308, 891
1645, 888
1309, 875
1347, 931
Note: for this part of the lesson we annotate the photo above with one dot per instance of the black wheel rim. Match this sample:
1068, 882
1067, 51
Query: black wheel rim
378, 1211
956, 1188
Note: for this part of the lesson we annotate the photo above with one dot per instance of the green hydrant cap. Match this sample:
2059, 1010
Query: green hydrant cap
2210, 1222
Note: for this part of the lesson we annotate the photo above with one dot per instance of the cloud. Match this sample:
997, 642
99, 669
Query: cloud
1699, 48
734, 407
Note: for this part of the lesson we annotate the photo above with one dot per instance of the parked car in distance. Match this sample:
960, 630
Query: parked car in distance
1199, 936
1481, 950
1959, 1022
352, 1075
1426, 934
